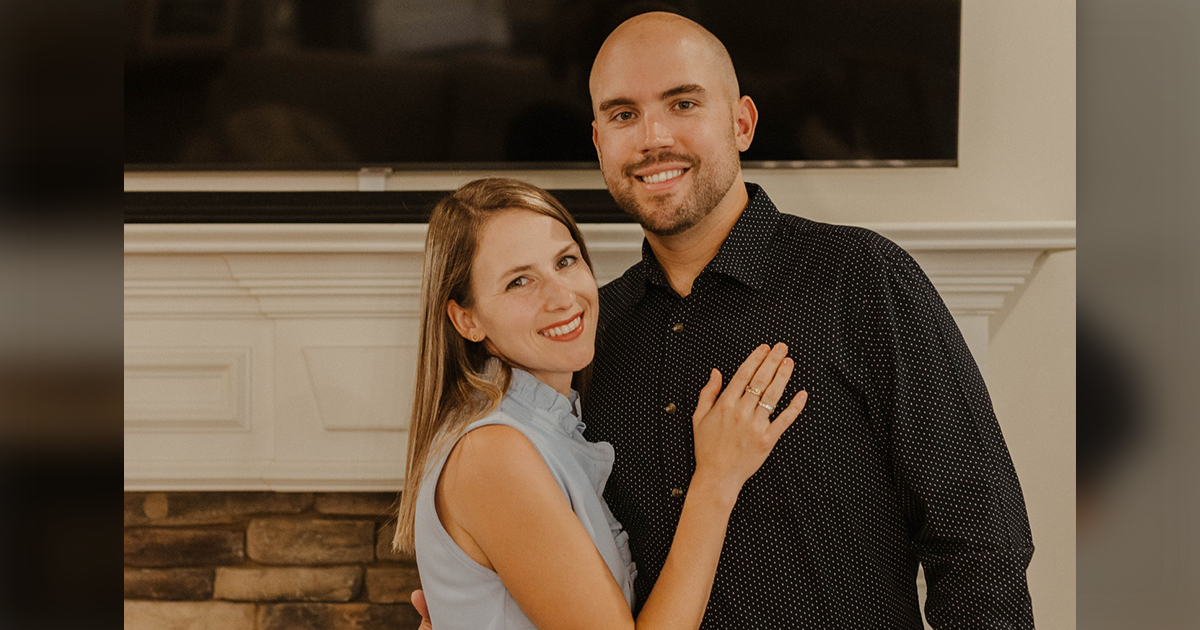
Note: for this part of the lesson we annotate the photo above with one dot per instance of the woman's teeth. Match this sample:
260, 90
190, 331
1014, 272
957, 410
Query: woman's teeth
662, 177
565, 328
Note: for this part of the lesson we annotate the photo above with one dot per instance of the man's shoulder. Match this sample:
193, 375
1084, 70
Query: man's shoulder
625, 285
618, 295
841, 243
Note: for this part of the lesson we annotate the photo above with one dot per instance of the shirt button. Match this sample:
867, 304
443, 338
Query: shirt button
670, 408
677, 327
676, 492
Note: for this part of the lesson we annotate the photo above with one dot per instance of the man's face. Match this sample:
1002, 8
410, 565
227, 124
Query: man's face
665, 132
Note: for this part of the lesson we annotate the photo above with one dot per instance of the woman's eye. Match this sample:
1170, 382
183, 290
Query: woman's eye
567, 261
518, 282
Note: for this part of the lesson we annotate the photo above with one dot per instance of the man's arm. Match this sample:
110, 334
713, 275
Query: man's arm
964, 503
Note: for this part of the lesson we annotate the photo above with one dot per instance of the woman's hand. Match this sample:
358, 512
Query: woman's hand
418, 602
733, 431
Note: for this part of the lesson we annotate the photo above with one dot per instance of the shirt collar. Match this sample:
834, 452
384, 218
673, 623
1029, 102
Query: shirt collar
555, 409
743, 255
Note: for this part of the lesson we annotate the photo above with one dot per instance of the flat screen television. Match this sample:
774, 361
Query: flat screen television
460, 84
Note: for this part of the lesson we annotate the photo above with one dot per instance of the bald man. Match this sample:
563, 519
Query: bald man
898, 458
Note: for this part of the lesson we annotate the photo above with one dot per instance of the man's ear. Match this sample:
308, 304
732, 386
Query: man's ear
745, 121
465, 322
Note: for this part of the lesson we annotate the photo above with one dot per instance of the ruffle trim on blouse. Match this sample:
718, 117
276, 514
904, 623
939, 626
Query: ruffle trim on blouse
621, 538
557, 412
555, 407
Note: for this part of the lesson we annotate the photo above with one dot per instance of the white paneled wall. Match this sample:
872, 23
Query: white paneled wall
281, 356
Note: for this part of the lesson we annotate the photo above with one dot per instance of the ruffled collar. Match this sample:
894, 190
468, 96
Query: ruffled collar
559, 411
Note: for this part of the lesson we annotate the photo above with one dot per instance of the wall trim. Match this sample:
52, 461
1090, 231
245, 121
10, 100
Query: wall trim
146, 238
329, 313
289, 476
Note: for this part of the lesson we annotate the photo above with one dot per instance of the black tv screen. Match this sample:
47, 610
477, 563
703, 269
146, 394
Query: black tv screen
307, 84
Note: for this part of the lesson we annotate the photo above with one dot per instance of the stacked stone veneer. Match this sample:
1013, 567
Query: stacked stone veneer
264, 561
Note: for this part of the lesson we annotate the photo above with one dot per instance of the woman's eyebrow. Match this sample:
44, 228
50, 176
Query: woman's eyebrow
520, 268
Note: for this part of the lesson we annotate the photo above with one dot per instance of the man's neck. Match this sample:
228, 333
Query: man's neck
683, 256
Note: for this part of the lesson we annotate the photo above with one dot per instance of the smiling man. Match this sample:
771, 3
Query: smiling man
898, 459
668, 127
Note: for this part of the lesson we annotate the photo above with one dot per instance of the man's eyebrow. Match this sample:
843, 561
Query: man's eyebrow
690, 88
615, 102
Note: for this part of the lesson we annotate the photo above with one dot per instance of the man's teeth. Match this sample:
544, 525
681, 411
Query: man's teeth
565, 328
663, 176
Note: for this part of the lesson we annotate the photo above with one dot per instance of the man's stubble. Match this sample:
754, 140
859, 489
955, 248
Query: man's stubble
659, 215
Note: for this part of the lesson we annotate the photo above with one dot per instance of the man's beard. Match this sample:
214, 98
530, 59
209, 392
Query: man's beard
660, 215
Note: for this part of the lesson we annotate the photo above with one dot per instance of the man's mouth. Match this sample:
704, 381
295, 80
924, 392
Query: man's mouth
662, 176
564, 328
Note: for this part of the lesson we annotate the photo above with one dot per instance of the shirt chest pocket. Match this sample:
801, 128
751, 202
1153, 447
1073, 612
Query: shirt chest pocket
769, 493
792, 473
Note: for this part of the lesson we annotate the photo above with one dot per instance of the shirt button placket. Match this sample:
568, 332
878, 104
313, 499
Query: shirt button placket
676, 467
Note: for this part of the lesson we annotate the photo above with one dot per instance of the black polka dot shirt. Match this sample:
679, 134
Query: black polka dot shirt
897, 459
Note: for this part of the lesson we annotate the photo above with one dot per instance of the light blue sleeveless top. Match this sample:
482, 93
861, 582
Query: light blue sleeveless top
463, 594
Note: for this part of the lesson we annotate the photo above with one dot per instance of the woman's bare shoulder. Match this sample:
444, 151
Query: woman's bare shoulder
490, 461
491, 449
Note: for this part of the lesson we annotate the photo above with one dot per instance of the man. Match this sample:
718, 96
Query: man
898, 458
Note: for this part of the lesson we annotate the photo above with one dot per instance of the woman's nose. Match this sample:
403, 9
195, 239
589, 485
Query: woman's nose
558, 294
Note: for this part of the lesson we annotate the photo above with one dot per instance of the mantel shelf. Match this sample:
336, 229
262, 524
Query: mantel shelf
279, 356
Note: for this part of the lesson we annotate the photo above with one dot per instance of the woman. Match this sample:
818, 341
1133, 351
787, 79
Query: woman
503, 495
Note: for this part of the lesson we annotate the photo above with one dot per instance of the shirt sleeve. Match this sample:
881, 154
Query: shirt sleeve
966, 514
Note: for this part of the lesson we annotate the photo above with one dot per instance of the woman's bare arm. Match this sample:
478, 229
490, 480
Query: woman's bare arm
501, 494
501, 505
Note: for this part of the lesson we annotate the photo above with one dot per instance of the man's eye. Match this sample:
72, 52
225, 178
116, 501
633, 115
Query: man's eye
685, 105
567, 261
517, 282
622, 116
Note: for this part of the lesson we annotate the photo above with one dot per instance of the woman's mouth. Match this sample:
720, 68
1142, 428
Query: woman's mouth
566, 331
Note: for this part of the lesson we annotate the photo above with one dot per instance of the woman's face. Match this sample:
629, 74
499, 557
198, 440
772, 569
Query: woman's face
534, 298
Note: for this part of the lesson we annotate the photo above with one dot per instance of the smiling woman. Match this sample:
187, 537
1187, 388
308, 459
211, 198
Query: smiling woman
503, 497
456, 381
533, 300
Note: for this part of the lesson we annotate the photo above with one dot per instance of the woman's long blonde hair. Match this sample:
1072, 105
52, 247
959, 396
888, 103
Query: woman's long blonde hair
456, 383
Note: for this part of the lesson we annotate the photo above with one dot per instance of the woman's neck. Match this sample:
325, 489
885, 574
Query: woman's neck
560, 381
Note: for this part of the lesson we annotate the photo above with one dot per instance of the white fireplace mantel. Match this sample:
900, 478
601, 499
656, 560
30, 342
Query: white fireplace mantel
280, 356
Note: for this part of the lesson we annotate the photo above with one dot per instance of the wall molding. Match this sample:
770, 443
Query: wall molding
392, 238
329, 312
280, 476
185, 389
973, 265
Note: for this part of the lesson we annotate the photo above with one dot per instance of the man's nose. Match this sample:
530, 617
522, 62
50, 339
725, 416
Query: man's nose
656, 134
